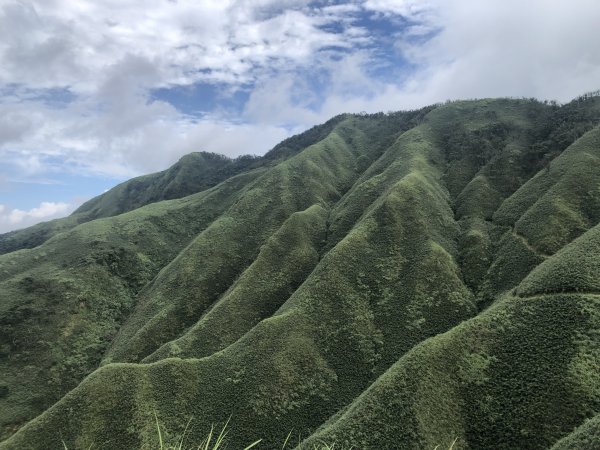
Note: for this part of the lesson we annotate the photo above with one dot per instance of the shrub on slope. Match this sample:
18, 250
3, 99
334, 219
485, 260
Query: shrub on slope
364, 305
62, 303
520, 375
585, 437
388, 228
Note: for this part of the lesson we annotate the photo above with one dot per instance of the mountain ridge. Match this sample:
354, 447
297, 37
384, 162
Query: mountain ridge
193, 173
331, 292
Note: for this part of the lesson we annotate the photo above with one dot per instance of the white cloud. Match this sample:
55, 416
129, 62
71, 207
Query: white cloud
73, 44
110, 54
543, 49
12, 219
412, 9
129, 136
279, 100
539, 48
14, 126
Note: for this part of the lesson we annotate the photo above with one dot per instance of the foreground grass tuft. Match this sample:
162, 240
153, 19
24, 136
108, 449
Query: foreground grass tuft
214, 441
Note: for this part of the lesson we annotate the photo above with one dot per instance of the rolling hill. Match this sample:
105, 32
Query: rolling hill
383, 281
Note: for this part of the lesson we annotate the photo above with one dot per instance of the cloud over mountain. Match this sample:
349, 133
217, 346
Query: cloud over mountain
114, 89
17, 218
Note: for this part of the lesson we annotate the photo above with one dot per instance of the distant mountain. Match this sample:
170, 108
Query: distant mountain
193, 173
384, 281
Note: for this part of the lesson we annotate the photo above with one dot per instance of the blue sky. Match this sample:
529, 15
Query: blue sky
95, 92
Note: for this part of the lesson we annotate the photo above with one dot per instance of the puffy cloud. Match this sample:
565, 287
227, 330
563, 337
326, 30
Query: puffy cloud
497, 48
110, 54
105, 57
129, 136
460, 49
77, 78
11, 219
72, 44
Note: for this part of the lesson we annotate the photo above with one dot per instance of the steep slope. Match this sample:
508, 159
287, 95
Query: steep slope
317, 176
519, 375
347, 341
107, 262
524, 372
404, 281
193, 173
36, 235
62, 302
585, 437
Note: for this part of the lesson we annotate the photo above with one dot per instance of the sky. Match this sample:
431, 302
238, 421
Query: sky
93, 92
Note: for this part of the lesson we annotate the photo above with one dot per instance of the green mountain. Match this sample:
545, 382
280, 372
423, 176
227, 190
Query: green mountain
386, 281
192, 173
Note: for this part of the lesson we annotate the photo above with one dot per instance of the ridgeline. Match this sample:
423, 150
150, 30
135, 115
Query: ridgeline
383, 281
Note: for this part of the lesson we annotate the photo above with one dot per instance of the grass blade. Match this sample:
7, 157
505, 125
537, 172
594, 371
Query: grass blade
286, 440
253, 444
160, 439
208, 438
180, 446
222, 435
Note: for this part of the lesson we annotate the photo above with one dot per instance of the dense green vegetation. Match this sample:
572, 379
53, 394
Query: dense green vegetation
406, 280
193, 173
584, 437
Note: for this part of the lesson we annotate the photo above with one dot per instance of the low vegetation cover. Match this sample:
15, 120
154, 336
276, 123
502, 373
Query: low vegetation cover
412, 280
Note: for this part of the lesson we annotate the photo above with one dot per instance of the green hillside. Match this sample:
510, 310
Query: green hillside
386, 281
193, 173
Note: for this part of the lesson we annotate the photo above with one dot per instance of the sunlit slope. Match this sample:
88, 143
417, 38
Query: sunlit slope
62, 303
566, 190
365, 303
541, 378
374, 288
193, 173
522, 374
219, 255
37, 234
283, 263
585, 437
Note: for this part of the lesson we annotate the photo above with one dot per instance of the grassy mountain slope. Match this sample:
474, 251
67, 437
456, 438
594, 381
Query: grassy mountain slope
62, 302
585, 437
220, 254
193, 173
519, 375
403, 281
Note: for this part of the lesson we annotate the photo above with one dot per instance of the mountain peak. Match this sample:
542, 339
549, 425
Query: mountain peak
403, 280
